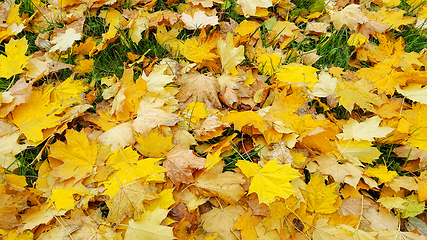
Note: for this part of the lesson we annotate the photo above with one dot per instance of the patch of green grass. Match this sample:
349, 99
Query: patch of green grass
339, 112
415, 40
6, 83
302, 5
229, 12
388, 157
26, 7
161, 5
27, 164
94, 26
410, 10
334, 50
109, 62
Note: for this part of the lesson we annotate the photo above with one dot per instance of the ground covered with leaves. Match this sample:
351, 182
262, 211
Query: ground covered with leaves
210, 119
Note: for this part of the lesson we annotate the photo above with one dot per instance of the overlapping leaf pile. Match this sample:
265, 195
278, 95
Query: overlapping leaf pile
235, 136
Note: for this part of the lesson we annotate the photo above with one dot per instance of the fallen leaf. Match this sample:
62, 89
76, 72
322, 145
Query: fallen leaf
226, 185
155, 145
128, 201
199, 20
149, 226
15, 60
65, 40
271, 181
181, 163
321, 198
199, 88
230, 55
222, 220
366, 130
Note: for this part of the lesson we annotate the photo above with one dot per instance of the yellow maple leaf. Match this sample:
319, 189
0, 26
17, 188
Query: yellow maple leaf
326, 86
155, 145
15, 60
165, 37
63, 41
199, 88
422, 185
248, 28
193, 51
213, 159
367, 130
320, 198
13, 16
63, 197
279, 211
226, 185
387, 49
77, 154
390, 108
358, 151
356, 39
418, 138
222, 220
131, 94
230, 56
44, 108
412, 206
118, 136
164, 201
249, 7
414, 119
286, 29
107, 37
414, 92
381, 172
393, 17
358, 92
137, 26
392, 202
271, 181
16, 182
268, 63
382, 75
103, 119
195, 111
128, 202
330, 166
157, 80
84, 66
149, 226
200, 19
9, 147
247, 118
247, 223
150, 115
125, 161
40, 215
298, 74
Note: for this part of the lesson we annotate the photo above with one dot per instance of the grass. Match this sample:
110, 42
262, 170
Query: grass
334, 50
27, 162
415, 40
